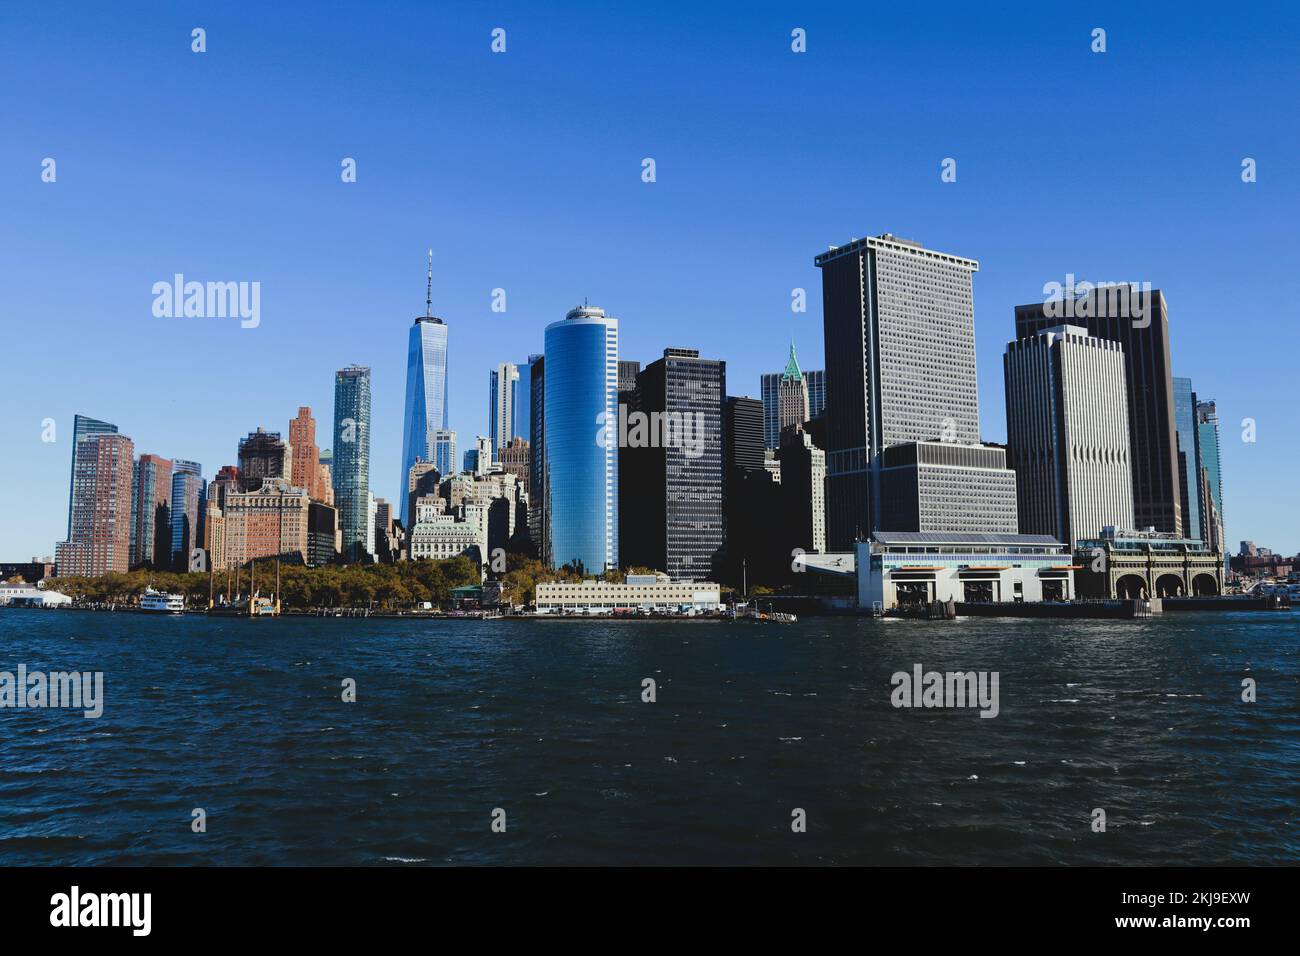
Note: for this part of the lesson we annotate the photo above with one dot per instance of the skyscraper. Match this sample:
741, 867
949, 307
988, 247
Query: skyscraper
752, 554
426, 388
1139, 321
792, 395
351, 467
1189, 479
101, 507
189, 507
899, 327
444, 450
478, 459
503, 403
1067, 433
810, 386
580, 435
151, 511
671, 483
1211, 480
83, 427
628, 370
270, 522
524, 402
537, 456
262, 454
816, 380
305, 470
803, 492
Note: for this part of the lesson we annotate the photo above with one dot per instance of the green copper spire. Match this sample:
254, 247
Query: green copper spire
792, 372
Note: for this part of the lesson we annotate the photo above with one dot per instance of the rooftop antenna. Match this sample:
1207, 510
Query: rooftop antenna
428, 299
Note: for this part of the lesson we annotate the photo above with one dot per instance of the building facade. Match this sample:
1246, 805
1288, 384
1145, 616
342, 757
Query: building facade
1189, 457
440, 533
271, 522
1211, 474
912, 569
305, 469
751, 554
425, 407
83, 426
444, 450
946, 487
536, 457
189, 507
813, 384
515, 459
640, 592
1067, 433
262, 454
351, 466
151, 511
899, 328
580, 436
422, 480
672, 482
803, 492
503, 403
1127, 565
1139, 322
100, 541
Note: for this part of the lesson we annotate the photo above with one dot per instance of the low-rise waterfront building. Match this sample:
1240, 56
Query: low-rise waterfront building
901, 569
1147, 564
25, 595
640, 592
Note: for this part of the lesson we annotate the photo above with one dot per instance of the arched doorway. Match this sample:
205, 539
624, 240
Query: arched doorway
1131, 587
1169, 585
1205, 585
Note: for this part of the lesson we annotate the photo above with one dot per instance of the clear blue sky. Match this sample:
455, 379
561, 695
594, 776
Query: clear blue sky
522, 171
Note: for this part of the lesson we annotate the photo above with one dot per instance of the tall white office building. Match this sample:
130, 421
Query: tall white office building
1067, 433
899, 325
503, 407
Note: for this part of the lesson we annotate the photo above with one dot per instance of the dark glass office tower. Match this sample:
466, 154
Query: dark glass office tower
351, 468
1140, 323
627, 373
1188, 456
671, 493
189, 503
537, 456
751, 504
1211, 475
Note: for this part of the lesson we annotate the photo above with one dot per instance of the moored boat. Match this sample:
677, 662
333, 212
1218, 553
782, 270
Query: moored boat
161, 602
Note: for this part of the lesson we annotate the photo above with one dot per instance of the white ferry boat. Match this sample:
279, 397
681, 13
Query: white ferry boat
160, 602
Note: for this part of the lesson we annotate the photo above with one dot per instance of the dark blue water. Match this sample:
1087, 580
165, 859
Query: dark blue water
545, 720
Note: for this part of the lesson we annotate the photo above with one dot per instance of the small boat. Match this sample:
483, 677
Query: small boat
160, 602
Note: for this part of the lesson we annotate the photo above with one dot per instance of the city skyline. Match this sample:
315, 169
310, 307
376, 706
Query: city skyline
971, 428
1219, 291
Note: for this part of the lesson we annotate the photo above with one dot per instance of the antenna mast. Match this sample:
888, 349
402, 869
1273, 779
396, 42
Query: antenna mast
428, 299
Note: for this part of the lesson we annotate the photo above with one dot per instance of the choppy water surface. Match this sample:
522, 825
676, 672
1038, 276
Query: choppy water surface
545, 720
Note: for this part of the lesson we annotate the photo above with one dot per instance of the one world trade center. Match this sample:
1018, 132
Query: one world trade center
426, 388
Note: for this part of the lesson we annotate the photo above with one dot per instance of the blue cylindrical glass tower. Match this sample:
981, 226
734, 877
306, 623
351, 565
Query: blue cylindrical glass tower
581, 446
